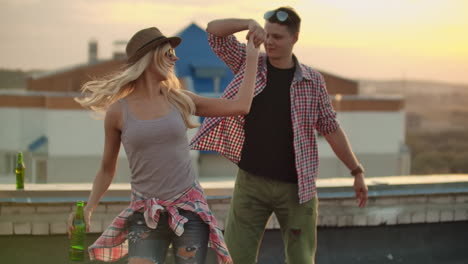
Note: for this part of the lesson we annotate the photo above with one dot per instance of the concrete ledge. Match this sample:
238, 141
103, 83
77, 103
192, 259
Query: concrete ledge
222, 189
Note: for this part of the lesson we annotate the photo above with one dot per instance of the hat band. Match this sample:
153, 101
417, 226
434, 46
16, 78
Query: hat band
149, 43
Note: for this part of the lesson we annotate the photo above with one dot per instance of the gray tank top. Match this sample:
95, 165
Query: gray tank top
158, 154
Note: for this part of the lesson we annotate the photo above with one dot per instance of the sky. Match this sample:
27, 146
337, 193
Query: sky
359, 39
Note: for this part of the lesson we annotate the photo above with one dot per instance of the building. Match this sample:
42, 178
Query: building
63, 143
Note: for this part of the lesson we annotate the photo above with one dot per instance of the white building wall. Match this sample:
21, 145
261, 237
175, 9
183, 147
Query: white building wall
376, 139
74, 149
20, 127
75, 133
76, 140
10, 127
32, 126
370, 132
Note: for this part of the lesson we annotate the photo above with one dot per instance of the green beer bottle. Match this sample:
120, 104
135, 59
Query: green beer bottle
19, 171
78, 235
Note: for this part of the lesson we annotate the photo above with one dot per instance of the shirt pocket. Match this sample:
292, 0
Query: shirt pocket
305, 108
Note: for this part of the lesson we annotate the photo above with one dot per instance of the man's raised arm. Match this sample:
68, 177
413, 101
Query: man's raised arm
229, 26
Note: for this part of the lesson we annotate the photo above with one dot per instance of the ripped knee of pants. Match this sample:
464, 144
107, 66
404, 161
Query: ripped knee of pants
296, 231
187, 252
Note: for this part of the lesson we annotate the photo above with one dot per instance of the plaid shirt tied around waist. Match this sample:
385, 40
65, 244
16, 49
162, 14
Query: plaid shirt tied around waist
112, 244
311, 110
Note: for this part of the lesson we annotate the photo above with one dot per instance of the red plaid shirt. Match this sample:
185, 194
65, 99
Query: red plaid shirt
310, 110
112, 244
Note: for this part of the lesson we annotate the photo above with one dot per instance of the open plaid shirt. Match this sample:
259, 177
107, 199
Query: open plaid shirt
112, 244
310, 110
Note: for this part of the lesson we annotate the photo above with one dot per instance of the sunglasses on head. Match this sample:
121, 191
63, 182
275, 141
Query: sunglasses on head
280, 15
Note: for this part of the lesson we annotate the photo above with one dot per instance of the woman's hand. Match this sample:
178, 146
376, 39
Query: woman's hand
87, 217
252, 49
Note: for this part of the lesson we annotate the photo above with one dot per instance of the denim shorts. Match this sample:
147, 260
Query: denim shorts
152, 244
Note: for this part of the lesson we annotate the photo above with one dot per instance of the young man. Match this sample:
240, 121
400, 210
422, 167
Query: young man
275, 145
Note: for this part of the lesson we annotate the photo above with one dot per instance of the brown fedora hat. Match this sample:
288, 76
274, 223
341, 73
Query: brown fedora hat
145, 40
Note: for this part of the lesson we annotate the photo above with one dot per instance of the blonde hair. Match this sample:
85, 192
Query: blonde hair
101, 93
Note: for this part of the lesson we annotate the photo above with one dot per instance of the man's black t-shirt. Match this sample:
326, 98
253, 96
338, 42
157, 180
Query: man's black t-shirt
268, 149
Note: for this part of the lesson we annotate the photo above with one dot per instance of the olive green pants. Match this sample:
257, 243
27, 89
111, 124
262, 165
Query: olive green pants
254, 200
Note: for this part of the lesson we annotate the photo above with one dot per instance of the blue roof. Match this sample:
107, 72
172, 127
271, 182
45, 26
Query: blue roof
198, 61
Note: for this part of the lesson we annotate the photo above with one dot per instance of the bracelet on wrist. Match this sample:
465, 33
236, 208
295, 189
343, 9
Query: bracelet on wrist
359, 169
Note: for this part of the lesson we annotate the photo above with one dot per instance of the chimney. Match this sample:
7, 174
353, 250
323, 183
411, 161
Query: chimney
92, 51
119, 50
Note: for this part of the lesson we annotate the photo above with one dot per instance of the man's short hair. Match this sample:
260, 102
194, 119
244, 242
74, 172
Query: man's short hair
292, 22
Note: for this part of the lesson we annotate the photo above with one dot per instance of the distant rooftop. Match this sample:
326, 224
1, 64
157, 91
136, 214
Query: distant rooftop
22, 92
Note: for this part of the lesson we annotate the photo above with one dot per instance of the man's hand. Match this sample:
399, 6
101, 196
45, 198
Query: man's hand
258, 33
360, 188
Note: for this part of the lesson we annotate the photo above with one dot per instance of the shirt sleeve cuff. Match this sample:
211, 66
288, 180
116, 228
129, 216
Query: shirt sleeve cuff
329, 127
217, 41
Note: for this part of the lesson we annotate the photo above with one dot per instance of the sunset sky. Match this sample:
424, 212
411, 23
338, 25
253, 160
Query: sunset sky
377, 39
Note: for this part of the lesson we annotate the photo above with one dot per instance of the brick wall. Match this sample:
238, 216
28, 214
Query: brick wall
51, 218
43, 209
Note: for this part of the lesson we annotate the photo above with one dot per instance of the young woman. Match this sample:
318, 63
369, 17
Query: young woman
147, 111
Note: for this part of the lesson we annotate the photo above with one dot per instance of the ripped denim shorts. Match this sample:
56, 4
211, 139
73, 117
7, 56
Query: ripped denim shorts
152, 244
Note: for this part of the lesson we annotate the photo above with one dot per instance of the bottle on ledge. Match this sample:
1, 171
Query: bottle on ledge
78, 235
19, 171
